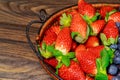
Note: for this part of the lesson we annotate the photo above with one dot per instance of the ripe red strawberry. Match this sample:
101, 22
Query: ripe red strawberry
51, 61
73, 72
79, 26
115, 17
87, 61
104, 10
89, 78
49, 37
74, 45
92, 41
56, 29
80, 48
96, 50
64, 41
110, 30
97, 26
86, 9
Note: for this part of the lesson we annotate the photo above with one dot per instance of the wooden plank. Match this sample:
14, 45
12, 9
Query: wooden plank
17, 60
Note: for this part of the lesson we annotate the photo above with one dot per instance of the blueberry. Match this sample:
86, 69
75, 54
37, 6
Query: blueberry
117, 24
117, 53
119, 9
114, 46
119, 40
113, 69
116, 59
116, 78
118, 46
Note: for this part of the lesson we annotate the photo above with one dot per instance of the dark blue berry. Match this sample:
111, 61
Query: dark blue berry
112, 69
114, 46
117, 24
118, 46
116, 60
118, 40
116, 78
117, 53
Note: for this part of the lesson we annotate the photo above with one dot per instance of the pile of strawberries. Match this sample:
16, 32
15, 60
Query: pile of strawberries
79, 47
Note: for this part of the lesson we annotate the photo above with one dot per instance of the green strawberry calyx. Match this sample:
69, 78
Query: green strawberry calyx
45, 50
78, 38
65, 20
109, 13
48, 51
90, 20
107, 41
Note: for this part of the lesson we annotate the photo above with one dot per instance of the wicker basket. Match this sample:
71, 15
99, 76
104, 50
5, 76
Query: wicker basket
52, 20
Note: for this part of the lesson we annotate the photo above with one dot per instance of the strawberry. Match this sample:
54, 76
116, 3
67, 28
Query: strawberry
92, 41
80, 48
56, 29
79, 28
97, 26
73, 72
64, 41
110, 33
49, 37
86, 9
74, 45
111, 30
115, 17
88, 78
87, 60
51, 61
96, 50
104, 10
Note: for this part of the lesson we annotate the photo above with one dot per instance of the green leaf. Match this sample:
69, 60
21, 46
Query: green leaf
98, 64
94, 18
104, 59
58, 66
73, 34
71, 55
44, 45
111, 40
66, 60
104, 39
88, 31
108, 14
101, 76
113, 11
65, 20
87, 19
57, 53
50, 48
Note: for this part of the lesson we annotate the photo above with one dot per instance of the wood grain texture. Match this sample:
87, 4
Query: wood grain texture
17, 60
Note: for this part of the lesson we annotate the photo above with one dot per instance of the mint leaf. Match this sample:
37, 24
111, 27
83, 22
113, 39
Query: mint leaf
66, 60
98, 64
101, 76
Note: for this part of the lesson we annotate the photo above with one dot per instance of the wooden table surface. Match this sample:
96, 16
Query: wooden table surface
17, 60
